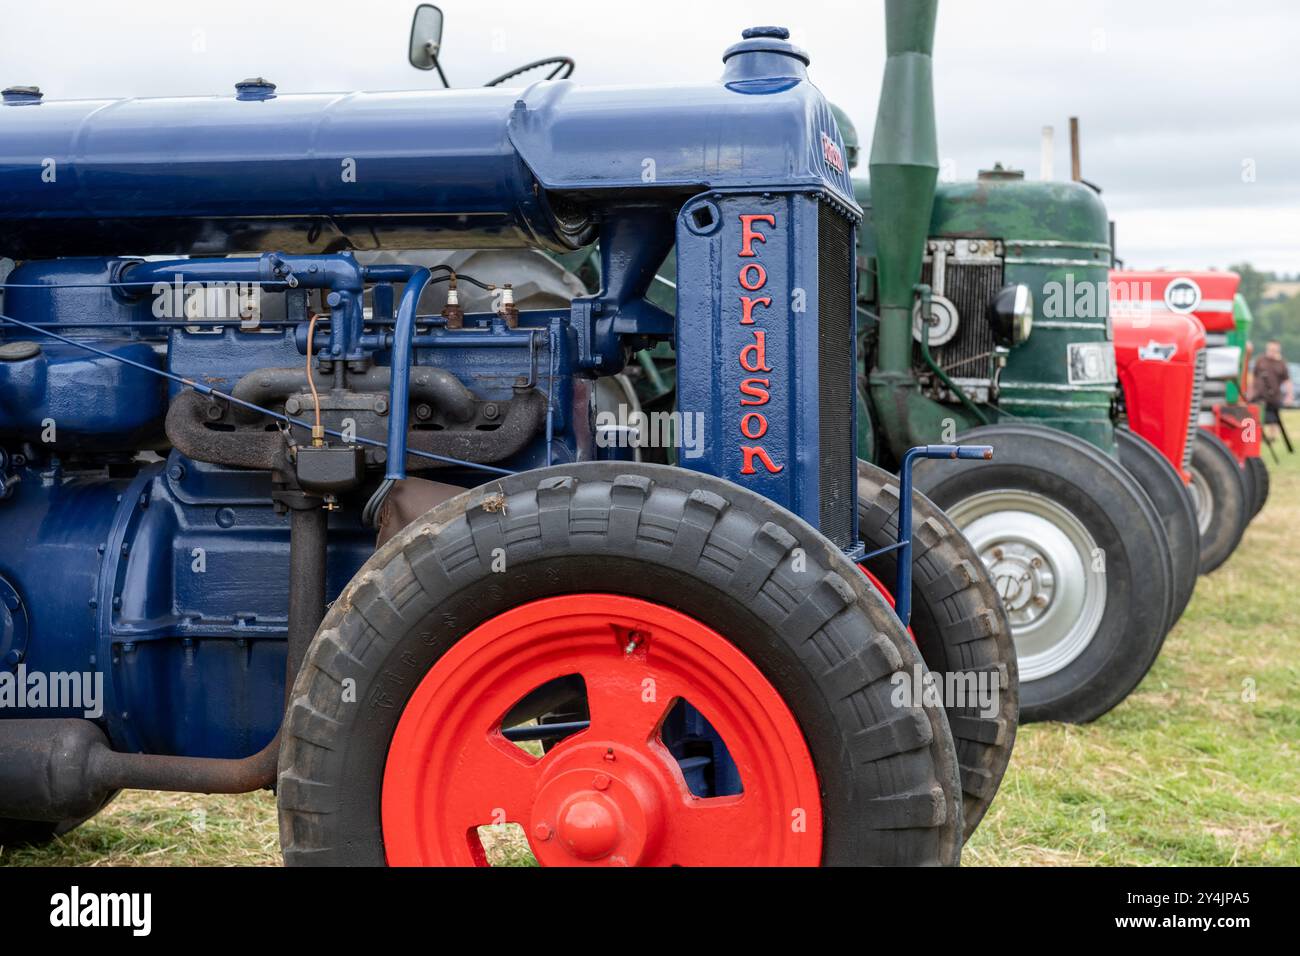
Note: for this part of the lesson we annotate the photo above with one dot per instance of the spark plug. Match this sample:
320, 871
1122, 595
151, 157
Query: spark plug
452, 311
509, 311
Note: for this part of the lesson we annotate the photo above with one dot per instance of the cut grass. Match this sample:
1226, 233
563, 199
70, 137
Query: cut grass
1199, 766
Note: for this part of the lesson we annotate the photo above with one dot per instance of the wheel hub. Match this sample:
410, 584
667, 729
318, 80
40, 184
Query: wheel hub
598, 804
1041, 558
1023, 578
589, 826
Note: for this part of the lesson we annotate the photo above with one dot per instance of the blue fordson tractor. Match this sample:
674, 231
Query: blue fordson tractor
306, 536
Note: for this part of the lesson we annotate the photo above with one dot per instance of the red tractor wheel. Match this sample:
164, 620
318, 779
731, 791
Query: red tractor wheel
1221, 497
612, 792
1259, 482
599, 607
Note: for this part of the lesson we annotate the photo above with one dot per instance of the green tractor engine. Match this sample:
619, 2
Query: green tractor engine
989, 242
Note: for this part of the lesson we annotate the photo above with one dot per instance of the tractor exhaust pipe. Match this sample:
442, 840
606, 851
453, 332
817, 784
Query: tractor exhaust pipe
1047, 155
904, 170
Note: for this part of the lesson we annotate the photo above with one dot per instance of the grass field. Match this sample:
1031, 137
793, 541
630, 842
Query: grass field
1201, 765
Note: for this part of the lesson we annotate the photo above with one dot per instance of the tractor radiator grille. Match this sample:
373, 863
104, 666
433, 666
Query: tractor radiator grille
1214, 392
1198, 389
970, 287
838, 471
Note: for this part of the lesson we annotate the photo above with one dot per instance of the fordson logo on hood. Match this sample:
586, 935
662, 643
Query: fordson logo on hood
1182, 295
1155, 351
832, 154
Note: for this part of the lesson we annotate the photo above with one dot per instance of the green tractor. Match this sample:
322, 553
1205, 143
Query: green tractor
984, 314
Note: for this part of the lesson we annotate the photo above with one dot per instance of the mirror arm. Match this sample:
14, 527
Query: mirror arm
437, 65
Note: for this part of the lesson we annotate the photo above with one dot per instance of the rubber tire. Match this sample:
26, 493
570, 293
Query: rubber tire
1252, 492
706, 547
1124, 524
1260, 481
958, 622
1214, 462
1172, 500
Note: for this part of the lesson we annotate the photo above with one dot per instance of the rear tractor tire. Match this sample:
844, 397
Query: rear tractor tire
1078, 555
1219, 494
652, 588
960, 628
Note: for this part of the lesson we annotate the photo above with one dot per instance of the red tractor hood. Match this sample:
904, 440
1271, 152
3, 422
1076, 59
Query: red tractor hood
1205, 295
1160, 358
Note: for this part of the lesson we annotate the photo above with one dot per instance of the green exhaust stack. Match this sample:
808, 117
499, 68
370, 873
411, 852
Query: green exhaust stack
904, 170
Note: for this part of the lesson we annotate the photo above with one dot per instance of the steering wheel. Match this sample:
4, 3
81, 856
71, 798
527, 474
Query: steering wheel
564, 67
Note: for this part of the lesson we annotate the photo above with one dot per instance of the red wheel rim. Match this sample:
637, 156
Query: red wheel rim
611, 794
885, 593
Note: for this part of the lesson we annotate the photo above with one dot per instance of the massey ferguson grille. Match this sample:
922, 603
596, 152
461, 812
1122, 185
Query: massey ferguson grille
1215, 392
970, 286
1198, 389
838, 472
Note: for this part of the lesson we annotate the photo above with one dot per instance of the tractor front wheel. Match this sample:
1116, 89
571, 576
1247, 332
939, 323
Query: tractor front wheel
1174, 503
1259, 478
1079, 558
1220, 495
664, 599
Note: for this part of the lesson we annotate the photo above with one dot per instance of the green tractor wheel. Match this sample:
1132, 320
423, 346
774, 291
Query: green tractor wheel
1078, 555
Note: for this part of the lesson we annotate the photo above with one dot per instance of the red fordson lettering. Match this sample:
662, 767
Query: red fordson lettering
832, 153
754, 391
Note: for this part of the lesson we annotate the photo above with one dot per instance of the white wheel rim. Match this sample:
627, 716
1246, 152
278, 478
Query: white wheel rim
1043, 562
1202, 500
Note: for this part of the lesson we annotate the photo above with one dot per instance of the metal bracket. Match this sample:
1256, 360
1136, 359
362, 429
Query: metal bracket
903, 583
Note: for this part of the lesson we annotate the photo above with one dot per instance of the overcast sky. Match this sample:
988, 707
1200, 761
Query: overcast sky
1190, 109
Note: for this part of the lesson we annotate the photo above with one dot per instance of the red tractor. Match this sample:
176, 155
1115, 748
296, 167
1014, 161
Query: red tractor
1172, 386
1160, 359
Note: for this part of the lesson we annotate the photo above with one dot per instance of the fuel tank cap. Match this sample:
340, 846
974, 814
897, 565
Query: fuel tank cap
766, 40
254, 88
19, 95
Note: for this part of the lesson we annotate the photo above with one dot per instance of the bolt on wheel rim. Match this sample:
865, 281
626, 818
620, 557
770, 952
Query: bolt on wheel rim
1041, 559
612, 793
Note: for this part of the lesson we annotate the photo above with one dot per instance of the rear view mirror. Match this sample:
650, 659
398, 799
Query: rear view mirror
426, 36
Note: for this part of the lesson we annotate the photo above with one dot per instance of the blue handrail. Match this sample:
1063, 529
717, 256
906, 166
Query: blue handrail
903, 583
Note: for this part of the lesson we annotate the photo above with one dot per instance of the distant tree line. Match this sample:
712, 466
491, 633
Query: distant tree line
1273, 320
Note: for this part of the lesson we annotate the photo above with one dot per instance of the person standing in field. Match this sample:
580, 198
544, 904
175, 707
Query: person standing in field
1273, 386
